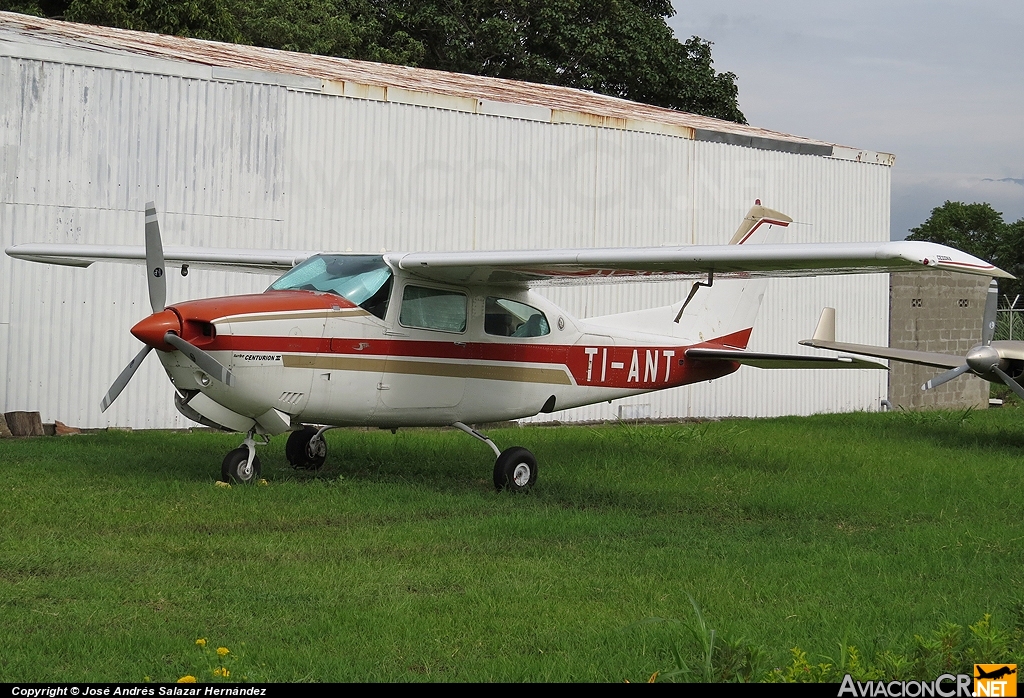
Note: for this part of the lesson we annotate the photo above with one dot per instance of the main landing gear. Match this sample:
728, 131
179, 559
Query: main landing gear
307, 448
515, 469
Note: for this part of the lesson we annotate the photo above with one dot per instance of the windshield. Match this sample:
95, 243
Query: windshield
364, 280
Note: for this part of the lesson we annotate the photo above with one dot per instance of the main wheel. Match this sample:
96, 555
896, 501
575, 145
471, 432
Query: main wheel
303, 451
515, 470
236, 468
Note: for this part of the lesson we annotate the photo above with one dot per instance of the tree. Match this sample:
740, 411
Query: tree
979, 229
622, 48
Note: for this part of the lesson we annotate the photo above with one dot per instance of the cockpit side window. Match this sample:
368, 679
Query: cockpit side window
433, 309
364, 280
504, 317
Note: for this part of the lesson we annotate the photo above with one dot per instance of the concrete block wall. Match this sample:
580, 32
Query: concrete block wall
942, 312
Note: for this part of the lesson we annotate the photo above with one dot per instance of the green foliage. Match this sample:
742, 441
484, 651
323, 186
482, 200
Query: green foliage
947, 649
200, 19
711, 657
25, 7
622, 48
215, 664
978, 229
343, 28
705, 656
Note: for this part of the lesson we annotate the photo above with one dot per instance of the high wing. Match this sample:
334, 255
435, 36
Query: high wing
253, 261
571, 266
548, 267
762, 360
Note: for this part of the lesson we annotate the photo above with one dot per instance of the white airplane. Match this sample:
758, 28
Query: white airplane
455, 338
1001, 361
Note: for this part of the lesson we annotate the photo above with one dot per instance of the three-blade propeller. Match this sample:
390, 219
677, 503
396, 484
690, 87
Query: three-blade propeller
984, 358
157, 301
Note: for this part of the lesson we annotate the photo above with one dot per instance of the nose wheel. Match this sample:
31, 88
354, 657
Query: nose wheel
238, 468
306, 448
241, 465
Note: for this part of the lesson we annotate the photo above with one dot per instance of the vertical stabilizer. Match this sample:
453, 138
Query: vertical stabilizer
758, 224
825, 331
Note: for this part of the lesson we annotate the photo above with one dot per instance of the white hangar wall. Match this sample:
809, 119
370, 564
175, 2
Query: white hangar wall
86, 138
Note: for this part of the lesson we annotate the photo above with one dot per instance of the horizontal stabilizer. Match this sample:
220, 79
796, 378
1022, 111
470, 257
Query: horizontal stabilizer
925, 358
763, 360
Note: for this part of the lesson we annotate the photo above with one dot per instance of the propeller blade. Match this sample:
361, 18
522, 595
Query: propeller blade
200, 358
155, 261
946, 377
1010, 383
991, 306
122, 380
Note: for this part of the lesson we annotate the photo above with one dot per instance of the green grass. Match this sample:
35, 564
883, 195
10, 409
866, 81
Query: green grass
398, 561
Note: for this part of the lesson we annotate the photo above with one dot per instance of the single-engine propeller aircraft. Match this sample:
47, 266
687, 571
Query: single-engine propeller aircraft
1001, 361
456, 338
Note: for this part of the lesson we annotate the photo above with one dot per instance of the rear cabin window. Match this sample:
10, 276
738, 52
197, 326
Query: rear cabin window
504, 317
433, 309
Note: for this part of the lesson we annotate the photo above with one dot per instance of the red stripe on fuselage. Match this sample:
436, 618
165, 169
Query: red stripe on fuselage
632, 367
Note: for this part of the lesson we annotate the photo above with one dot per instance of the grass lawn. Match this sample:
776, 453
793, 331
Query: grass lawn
398, 561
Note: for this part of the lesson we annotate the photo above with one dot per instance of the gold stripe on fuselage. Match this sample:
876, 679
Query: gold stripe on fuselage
520, 374
294, 315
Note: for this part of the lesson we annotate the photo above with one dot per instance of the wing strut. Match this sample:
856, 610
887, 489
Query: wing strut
693, 292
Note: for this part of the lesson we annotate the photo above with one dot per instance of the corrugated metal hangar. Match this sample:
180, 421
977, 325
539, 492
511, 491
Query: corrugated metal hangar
249, 147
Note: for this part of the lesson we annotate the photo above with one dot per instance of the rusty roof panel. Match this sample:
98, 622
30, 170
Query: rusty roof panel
368, 80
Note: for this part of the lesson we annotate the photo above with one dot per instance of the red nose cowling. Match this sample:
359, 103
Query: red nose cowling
152, 329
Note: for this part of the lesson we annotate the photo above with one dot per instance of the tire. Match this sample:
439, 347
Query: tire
233, 469
515, 470
299, 453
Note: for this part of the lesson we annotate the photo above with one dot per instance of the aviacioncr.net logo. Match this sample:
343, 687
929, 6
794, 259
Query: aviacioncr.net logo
946, 686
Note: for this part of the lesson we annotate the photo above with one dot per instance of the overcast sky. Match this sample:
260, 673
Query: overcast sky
938, 83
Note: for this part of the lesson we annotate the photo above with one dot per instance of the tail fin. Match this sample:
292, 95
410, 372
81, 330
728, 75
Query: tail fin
722, 310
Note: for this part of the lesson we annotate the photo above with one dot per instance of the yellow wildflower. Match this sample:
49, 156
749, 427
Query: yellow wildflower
187, 679
221, 483
222, 671
221, 651
201, 642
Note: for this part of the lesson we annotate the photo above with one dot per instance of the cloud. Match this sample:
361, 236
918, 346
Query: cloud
914, 195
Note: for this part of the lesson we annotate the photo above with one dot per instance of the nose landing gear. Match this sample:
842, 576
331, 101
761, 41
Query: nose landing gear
242, 465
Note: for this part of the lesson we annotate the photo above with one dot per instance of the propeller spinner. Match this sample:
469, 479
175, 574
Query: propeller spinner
161, 330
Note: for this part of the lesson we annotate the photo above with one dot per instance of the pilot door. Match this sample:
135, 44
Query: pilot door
347, 369
427, 351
